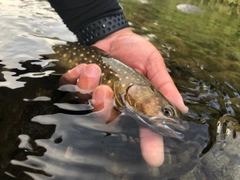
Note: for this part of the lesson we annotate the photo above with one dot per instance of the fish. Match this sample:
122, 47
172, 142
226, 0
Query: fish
134, 93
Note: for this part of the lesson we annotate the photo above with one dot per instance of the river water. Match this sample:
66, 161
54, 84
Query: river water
43, 136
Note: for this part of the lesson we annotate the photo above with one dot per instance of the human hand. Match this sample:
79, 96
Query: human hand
138, 53
141, 55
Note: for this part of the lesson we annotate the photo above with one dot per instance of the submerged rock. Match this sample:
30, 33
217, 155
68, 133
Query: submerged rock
189, 9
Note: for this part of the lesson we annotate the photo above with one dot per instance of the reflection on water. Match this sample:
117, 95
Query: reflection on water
77, 147
46, 134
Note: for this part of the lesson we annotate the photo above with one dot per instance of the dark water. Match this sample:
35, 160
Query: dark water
45, 134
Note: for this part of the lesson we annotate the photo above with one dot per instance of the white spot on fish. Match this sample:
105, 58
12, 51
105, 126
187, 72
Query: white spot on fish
85, 58
102, 74
93, 56
65, 55
109, 81
127, 77
81, 55
123, 85
74, 54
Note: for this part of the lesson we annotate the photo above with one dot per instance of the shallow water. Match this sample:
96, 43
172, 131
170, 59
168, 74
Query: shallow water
45, 134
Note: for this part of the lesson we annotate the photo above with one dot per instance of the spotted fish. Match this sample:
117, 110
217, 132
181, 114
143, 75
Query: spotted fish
134, 94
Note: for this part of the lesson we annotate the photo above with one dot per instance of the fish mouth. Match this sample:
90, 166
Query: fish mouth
168, 126
173, 122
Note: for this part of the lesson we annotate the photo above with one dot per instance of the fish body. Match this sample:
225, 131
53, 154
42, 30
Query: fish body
134, 94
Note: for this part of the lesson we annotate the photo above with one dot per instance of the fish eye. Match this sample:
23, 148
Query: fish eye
168, 111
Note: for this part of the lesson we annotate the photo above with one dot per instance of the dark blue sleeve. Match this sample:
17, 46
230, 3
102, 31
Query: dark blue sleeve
78, 13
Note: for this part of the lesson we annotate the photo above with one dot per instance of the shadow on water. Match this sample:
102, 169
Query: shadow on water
42, 136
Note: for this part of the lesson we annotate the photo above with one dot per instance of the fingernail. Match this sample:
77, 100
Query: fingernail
92, 71
102, 93
102, 97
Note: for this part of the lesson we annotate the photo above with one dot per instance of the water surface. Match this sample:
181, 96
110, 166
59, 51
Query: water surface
43, 135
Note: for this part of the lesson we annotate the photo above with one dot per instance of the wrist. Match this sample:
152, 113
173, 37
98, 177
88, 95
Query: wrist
106, 43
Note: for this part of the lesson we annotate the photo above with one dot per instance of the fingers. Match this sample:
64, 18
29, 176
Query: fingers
101, 95
90, 77
85, 76
72, 75
152, 147
103, 103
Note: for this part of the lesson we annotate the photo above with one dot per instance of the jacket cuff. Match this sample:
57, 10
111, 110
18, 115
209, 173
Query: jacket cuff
101, 28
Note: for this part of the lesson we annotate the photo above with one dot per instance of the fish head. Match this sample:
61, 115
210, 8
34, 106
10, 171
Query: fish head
149, 107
